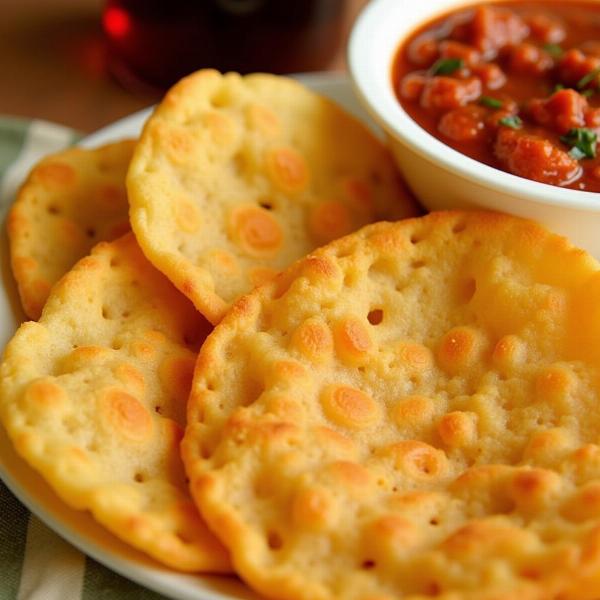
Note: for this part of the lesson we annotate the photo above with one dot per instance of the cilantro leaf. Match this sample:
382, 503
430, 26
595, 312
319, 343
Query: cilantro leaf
446, 66
554, 50
513, 121
490, 102
587, 79
583, 139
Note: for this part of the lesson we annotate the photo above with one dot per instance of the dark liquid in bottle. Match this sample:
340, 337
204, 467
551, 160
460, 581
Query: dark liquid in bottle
159, 41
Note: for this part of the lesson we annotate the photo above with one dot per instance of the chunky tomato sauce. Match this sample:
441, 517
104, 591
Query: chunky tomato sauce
513, 85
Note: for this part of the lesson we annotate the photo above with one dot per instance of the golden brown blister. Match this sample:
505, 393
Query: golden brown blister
70, 201
236, 177
93, 396
410, 412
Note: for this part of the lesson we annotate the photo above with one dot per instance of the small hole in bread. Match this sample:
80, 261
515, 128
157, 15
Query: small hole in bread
434, 521
459, 227
105, 313
418, 264
116, 345
425, 463
158, 410
53, 210
221, 98
266, 204
375, 317
274, 540
90, 232
415, 238
139, 477
205, 451
368, 564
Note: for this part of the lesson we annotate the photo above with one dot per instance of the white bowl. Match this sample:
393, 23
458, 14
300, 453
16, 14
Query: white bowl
440, 176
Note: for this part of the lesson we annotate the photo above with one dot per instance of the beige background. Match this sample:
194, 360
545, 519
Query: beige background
53, 64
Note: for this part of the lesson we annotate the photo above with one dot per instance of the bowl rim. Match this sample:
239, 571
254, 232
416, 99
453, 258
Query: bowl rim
382, 104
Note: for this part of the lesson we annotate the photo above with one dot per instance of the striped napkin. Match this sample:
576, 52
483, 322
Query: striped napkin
35, 563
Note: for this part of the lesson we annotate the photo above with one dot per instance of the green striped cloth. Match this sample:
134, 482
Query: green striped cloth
35, 563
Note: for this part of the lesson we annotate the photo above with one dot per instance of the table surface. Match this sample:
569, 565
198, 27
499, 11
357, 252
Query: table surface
54, 64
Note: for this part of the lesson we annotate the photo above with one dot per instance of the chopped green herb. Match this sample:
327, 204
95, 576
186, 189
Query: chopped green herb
554, 50
445, 66
585, 81
514, 122
490, 102
576, 153
588, 93
558, 87
582, 139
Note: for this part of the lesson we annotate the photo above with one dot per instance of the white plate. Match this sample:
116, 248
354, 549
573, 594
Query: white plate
78, 527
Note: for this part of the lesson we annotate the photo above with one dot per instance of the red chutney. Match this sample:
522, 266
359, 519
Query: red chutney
512, 85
